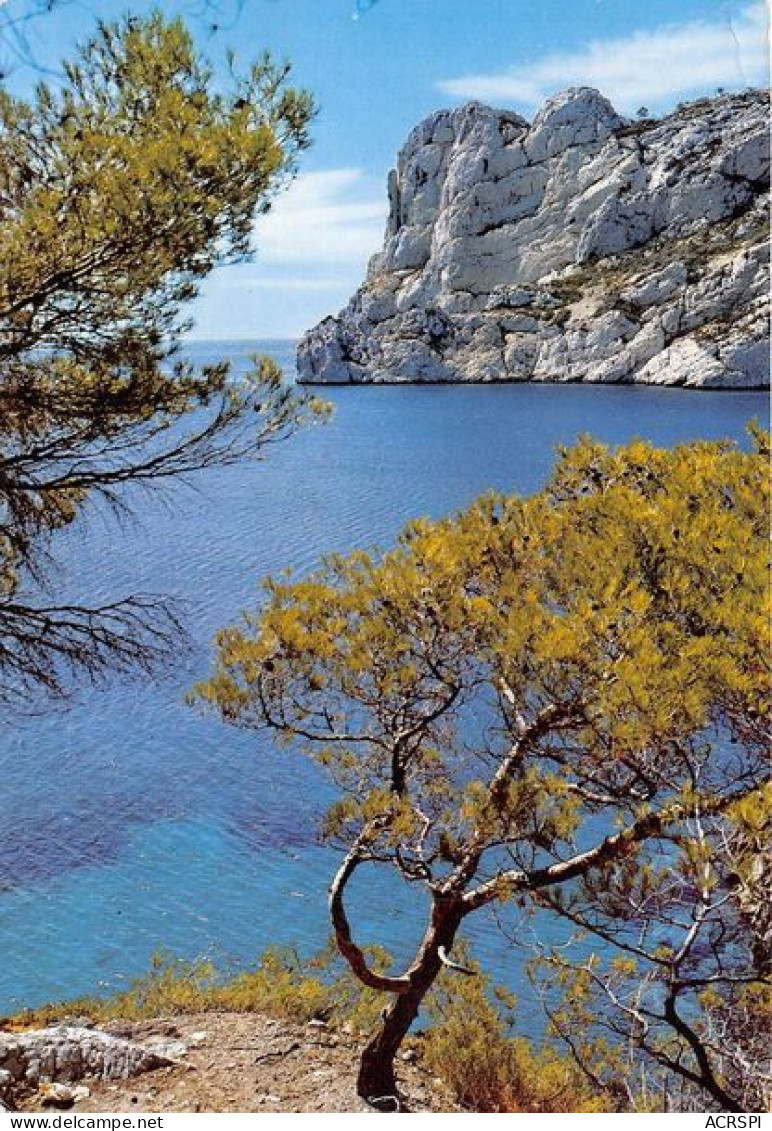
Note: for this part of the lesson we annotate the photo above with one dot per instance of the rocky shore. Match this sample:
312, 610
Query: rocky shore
582, 246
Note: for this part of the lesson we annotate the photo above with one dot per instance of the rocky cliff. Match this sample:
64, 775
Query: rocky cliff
577, 247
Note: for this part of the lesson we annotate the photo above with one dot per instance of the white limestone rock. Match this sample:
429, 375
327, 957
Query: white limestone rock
685, 362
66, 1053
656, 288
580, 247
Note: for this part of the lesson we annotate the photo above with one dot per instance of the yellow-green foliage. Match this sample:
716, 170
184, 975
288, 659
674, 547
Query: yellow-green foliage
538, 673
468, 1040
137, 143
472, 1045
122, 185
280, 984
631, 594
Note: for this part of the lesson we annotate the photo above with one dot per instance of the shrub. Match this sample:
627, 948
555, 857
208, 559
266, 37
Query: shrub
471, 1044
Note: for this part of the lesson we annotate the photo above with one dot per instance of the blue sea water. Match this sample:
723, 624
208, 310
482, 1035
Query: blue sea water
131, 823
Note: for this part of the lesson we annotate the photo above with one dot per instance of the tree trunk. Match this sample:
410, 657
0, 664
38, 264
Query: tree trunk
376, 1082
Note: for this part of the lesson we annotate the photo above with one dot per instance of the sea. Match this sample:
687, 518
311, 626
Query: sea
130, 823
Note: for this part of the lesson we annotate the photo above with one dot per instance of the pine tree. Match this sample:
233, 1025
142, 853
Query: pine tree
120, 189
534, 702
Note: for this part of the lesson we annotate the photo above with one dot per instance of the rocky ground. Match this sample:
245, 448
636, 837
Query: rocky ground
237, 1062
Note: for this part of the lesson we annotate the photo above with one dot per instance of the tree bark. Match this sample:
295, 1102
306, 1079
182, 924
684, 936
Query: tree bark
376, 1082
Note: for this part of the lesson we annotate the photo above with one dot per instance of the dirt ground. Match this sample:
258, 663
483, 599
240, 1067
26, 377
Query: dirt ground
241, 1062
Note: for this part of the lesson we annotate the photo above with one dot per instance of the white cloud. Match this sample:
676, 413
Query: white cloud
651, 67
312, 250
331, 218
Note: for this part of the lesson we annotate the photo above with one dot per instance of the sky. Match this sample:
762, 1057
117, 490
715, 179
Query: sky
376, 67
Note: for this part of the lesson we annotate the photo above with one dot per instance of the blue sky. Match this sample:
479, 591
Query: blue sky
376, 67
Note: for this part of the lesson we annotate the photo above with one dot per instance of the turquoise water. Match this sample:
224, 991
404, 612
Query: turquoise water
131, 823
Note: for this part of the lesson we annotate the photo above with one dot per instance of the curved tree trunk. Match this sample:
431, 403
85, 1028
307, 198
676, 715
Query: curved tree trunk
376, 1082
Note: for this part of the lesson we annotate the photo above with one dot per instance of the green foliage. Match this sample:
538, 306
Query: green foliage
129, 182
120, 189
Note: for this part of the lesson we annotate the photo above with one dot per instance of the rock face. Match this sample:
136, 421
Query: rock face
578, 247
70, 1052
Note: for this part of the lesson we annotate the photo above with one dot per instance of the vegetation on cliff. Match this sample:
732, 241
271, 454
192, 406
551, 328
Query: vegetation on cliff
555, 703
490, 1068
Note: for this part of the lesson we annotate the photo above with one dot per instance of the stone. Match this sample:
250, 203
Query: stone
656, 288
168, 1050
57, 1095
63, 1054
580, 247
